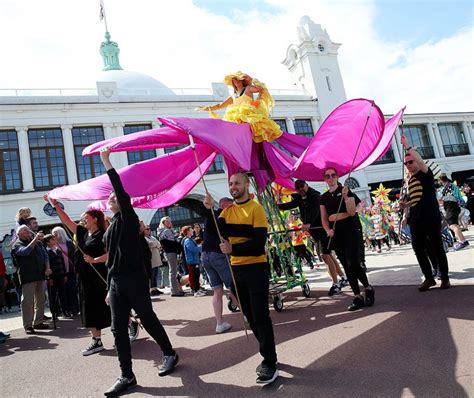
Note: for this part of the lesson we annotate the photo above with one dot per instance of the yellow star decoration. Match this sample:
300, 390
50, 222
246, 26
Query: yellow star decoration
381, 192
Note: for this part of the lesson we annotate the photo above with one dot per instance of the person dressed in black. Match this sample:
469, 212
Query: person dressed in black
57, 279
345, 235
424, 219
89, 261
128, 283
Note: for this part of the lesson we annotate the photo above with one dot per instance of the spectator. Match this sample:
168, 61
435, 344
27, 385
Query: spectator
146, 250
191, 254
3, 282
33, 265
57, 279
67, 250
216, 265
172, 248
155, 249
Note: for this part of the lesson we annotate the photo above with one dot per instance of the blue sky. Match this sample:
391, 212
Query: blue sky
415, 22
422, 20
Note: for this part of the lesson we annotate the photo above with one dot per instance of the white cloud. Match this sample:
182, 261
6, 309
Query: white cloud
55, 43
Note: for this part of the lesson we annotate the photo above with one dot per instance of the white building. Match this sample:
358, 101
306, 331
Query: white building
43, 132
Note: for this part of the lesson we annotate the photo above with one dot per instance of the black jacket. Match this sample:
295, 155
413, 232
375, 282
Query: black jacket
122, 238
309, 207
211, 237
31, 263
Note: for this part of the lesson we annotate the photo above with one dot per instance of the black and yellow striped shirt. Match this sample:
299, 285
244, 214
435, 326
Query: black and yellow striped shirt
415, 190
245, 226
424, 206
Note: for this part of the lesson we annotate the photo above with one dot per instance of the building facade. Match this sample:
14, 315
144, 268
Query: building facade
43, 132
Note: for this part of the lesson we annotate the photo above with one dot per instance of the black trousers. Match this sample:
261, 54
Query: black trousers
347, 247
252, 284
57, 300
427, 236
126, 293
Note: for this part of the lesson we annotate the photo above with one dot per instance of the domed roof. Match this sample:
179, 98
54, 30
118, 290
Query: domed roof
134, 83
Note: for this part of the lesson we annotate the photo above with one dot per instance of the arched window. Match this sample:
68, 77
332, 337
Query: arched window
352, 183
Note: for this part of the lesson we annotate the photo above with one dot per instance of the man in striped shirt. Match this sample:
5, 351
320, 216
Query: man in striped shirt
424, 218
244, 227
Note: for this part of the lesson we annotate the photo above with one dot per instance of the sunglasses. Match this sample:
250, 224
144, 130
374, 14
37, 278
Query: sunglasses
408, 162
328, 176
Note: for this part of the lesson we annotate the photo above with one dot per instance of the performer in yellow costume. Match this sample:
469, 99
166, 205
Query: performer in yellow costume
242, 108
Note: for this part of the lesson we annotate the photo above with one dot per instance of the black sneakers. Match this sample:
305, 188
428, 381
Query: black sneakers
334, 289
356, 304
94, 346
369, 297
426, 285
266, 374
121, 384
168, 364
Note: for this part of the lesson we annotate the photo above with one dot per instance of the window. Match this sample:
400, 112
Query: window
328, 82
47, 157
138, 156
454, 141
417, 136
10, 174
352, 183
179, 215
87, 166
282, 124
217, 166
175, 148
388, 157
303, 127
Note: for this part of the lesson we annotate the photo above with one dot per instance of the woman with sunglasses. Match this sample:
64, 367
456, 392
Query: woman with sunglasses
343, 233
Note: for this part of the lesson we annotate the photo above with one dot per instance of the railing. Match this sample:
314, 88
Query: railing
426, 152
456, 150
62, 92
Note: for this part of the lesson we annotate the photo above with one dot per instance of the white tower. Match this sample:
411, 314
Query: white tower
313, 64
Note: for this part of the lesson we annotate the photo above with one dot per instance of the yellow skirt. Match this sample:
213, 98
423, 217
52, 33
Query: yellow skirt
263, 128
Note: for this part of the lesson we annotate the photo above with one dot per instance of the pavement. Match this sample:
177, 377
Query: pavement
409, 344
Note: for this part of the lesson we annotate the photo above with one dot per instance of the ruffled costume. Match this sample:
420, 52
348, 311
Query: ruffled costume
256, 113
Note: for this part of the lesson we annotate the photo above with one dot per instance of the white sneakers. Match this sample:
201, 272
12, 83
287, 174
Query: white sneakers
223, 327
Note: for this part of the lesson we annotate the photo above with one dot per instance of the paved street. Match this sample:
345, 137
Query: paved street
408, 344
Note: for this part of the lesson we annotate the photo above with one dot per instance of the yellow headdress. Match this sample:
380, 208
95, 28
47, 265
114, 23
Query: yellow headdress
239, 76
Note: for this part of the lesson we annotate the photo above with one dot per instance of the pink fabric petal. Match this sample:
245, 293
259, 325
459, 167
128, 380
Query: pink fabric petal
149, 139
337, 140
172, 174
384, 144
232, 140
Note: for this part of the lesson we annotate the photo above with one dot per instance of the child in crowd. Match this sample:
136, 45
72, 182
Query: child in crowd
57, 279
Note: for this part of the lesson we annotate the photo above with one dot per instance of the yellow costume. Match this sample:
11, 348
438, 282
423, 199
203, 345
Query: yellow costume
245, 109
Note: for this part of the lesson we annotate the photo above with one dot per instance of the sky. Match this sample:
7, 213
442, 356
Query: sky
414, 53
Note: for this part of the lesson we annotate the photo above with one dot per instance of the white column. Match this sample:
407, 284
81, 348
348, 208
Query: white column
156, 125
25, 159
471, 130
467, 135
438, 140
108, 131
121, 157
315, 123
433, 140
289, 125
396, 154
396, 143
69, 154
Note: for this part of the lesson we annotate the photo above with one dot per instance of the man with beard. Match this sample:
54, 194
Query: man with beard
244, 227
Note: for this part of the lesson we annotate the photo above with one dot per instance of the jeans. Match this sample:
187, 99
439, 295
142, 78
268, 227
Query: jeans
126, 293
217, 268
252, 287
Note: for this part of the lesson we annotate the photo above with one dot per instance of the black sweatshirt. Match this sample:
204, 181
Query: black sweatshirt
211, 237
122, 238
